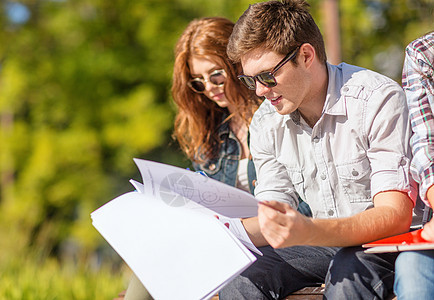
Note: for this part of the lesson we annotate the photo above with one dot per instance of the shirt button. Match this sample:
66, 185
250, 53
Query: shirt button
354, 173
212, 167
316, 139
323, 176
331, 212
403, 162
345, 89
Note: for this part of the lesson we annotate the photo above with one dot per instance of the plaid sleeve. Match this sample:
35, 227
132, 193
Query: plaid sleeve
418, 84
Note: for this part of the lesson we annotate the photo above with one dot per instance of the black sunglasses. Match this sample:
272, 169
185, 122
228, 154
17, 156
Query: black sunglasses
217, 78
267, 78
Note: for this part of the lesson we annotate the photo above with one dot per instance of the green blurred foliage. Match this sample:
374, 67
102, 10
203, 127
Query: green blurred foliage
374, 33
52, 281
85, 87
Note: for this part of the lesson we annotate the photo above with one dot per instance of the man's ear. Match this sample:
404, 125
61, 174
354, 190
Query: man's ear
307, 55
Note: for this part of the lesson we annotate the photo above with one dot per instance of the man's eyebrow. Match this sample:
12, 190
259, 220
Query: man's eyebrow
260, 72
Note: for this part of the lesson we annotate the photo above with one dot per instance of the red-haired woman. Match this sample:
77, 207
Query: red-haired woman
214, 108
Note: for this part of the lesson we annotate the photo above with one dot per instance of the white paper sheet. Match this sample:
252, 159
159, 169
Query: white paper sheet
168, 233
179, 187
237, 228
177, 253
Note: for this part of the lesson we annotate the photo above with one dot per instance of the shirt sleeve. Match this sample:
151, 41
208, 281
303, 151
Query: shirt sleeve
417, 81
388, 130
273, 182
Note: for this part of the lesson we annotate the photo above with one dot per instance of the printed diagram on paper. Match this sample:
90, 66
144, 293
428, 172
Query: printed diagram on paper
183, 188
179, 188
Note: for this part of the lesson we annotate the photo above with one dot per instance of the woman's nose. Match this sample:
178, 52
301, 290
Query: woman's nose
208, 85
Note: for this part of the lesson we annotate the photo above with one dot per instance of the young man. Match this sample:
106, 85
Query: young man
414, 270
337, 136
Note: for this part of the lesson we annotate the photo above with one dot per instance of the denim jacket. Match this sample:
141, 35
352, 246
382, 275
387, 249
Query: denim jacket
224, 167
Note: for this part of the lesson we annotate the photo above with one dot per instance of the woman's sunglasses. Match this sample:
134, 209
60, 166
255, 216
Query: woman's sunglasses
267, 78
217, 78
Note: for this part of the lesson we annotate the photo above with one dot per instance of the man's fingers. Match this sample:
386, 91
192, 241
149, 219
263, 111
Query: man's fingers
428, 231
270, 215
279, 206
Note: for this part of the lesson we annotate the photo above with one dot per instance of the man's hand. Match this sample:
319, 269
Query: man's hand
281, 225
428, 231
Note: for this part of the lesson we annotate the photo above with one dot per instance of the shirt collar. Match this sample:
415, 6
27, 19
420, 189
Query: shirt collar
291, 116
334, 104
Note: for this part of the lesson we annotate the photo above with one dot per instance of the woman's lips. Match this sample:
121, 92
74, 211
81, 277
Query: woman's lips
218, 96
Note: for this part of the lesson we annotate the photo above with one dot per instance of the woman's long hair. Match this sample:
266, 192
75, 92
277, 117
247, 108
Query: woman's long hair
198, 118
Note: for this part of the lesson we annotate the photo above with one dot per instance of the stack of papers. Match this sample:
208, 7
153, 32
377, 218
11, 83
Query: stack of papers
168, 233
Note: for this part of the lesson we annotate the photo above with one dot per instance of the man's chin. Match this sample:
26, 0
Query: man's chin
283, 110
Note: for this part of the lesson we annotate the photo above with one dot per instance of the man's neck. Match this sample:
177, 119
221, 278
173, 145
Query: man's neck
313, 108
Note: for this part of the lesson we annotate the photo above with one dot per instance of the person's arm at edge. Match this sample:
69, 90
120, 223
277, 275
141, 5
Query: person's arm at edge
417, 95
428, 229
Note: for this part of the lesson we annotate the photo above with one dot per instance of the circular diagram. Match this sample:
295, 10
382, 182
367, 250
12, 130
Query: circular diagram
209, 197
176, 189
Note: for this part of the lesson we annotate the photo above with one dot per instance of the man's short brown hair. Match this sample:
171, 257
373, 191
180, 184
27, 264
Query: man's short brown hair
279, 26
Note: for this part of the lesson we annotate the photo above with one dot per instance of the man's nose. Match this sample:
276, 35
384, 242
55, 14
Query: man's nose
261, 90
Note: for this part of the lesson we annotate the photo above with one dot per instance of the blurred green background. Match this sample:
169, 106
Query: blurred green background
85, 88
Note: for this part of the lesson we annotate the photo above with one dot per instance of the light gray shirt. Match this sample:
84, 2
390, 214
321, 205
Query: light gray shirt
359, 147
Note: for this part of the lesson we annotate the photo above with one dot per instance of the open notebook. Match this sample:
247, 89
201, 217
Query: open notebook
402, 242
168, 234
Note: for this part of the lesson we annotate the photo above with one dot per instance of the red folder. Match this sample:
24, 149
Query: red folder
402, 242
